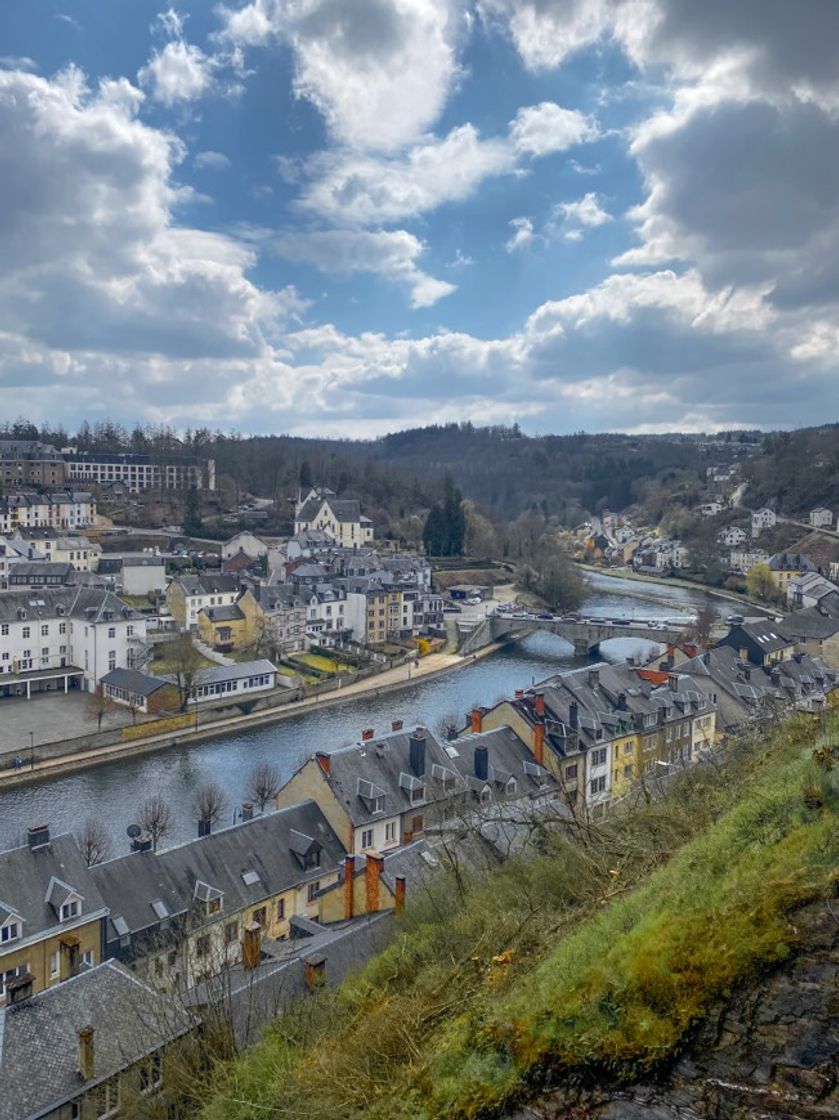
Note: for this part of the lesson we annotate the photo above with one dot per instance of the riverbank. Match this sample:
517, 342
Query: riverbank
676, 581
390, 680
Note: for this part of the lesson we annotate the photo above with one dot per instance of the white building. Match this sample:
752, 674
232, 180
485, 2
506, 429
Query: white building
244, 542
139, 472
763, 519
808, 589
187, 596
57, 640
58, 510
821, 518
742, 560
326, 619
732, 536
341, 518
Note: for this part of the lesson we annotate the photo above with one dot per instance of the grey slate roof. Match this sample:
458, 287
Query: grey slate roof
506, 758
27, 878
39, 1038
131, 883
231, 613
791, 562
209, 583
810, 623
142, 684
233, 672
385, 763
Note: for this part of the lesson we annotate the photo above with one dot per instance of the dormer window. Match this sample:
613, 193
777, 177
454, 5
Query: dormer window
69, 909
10, 932
213, 906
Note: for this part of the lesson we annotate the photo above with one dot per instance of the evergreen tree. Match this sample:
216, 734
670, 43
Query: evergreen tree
305, 476
193, 524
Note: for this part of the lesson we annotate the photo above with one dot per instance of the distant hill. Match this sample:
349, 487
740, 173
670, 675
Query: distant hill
796, 471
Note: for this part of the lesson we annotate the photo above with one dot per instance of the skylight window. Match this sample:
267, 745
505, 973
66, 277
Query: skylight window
160, 909
250, 878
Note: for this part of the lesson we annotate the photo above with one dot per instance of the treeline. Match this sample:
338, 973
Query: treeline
503, 472
796, 471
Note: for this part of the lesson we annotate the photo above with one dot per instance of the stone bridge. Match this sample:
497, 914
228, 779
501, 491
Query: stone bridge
584, 636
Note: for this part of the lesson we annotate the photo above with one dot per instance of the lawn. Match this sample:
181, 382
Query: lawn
320, 662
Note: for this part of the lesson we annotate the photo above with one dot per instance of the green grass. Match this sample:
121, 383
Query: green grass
320, 662
612, 948
161, 666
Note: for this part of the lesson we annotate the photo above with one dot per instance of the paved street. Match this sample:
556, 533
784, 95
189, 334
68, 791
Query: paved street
51, 716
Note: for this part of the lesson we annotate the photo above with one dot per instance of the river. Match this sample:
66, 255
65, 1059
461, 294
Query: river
113, 791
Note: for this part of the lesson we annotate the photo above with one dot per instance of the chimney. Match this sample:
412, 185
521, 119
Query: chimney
673, 681
594, 678
482, 763
315, 967
706, 657
142, 843
671, 650
251, 950
775, 675
68, 957
747, 673
621, 702
205, 827
573, 715
539, 705
372, 875
323, 761
86, 1063
396, 725
367, 734
400, 893
539, 743
20, 989
349, 884
38, 836
247, 811
477, 721
519, 693
798, 656
416, 748
744, 654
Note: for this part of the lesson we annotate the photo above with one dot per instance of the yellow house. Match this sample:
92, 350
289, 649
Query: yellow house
51, 913
233, 626
626, 754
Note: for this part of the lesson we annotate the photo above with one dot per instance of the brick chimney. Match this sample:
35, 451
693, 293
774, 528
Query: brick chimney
400, 893
673, 681
367, 734
87, 1065
38, 836
396, 725
539, 743
519, 693
315, 967
20, 989
323, 761
416, 748
68, 957
372, 877
251, 947
539, 705
477, 721
349, 883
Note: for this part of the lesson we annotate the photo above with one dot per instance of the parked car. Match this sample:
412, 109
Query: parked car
473, 601
546, 615
452, 608
735, 619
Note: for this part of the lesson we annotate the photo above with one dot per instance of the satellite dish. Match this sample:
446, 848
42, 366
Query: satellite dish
133, 831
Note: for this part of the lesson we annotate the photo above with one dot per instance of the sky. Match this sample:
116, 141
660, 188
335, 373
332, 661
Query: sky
351, 217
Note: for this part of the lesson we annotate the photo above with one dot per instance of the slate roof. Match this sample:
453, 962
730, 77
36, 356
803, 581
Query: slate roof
276, 597
131, 883
142, 684
345, 510
35, 569
810, 623
791, 562
507, 757
231, 613
47, 603
209, 583
383, 762
764, 635
233, 672
39, 1038
27, 877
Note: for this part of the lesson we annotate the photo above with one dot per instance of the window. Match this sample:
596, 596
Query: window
45, 630
571, 772
10, 932
313, 890
202, 945
416, 824
69, 909
627, 748
151, 1074
129, 631
390, 831
367, 838
598, 785
9, 975
213, 905
106, 1098
55, 964
4, 629
598, 757
112, 659
280, 909
627, 771
260, 916
25, 632
231, 932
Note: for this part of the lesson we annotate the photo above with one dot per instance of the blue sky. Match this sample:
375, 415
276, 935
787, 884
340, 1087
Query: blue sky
347, 217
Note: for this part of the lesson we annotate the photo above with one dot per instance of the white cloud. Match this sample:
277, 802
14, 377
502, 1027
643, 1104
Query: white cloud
209, 160
378, 70
392, 254
541, 129
573, 218
522, 234
17, 62
180, 72
369, 189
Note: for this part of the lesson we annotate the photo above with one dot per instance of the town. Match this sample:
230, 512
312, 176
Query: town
308, 881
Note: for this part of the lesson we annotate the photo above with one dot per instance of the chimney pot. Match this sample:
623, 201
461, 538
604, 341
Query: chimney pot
519, 693
477, 721
367, 734
86, 1056
673, 680
482, 763
396, 725
38, 836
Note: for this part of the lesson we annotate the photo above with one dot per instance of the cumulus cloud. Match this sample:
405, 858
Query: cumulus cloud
372, 189
180, 72
522, 234
209, 160
572, 219
392, 254
378, 70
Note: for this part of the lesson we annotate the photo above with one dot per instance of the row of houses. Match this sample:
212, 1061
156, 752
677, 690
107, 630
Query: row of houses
55, 509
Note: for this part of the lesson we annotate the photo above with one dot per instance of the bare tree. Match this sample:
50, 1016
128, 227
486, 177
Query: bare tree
94, 841
263, 784
210, 803
184, 662
156, 818
97, 706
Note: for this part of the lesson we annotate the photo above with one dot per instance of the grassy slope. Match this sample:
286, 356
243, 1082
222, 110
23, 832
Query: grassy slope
592, 961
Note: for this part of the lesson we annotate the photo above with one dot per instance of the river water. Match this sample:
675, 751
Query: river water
113, 791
